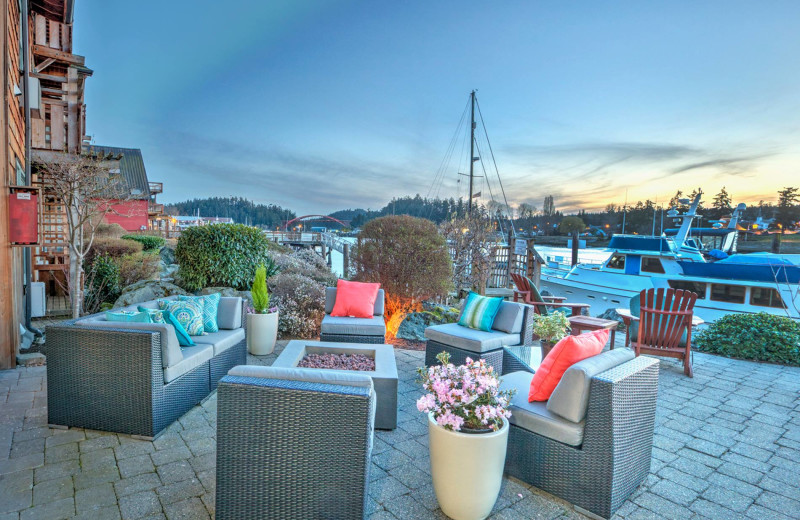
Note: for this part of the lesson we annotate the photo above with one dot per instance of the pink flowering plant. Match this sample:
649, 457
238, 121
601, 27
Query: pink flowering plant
464, 397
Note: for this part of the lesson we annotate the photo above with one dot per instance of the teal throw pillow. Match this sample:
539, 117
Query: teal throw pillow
156, 315
188, 313
479, 312
128, 316
184, 339
210, 303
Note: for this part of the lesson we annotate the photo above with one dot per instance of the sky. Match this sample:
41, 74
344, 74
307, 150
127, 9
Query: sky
329, 104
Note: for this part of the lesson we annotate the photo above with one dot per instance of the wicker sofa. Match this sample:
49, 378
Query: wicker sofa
513, 325
135, 378
353, 330
592, 441
293, 443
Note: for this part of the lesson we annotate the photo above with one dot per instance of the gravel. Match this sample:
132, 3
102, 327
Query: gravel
338, 362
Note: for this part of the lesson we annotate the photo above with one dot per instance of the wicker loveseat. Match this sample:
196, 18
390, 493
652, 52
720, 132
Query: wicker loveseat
513, 325
293, 443
135, 378
591, 443
353, 330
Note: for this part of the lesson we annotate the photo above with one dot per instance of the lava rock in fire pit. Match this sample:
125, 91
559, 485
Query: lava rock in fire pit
338, 362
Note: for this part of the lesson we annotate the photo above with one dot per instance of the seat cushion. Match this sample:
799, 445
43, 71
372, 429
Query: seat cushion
330, 301
535, 417
170, 348
229, 313
193, 357
571, 397
566, 353
222, 340
479, 312
373, 326
472, 340
509, 318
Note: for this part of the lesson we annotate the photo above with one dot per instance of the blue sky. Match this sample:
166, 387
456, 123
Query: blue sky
323, 105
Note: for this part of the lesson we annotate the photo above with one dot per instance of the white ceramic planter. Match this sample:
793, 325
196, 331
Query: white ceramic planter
467, 470
262, 332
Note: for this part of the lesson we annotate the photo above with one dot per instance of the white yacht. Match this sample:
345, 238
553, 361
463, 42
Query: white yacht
739, 283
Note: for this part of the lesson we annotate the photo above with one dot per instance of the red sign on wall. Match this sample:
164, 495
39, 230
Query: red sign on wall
23, 217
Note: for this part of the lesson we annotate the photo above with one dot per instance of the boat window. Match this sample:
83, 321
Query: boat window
688, 285
766, 297
727, 293
652, 265
617, 262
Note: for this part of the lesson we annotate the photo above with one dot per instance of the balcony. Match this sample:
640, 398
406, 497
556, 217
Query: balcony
156, 187
154, 209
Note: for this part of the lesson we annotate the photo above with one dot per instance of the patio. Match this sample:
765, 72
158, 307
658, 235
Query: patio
727, 445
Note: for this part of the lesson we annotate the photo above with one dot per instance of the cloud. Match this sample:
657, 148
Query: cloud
730, 165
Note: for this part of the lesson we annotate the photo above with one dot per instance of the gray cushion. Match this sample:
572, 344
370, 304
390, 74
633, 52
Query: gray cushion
222, 340
229, 313
535, 417
330, 301
509, 318
374, 326
473, 340
571, 396
193, 357
170, 348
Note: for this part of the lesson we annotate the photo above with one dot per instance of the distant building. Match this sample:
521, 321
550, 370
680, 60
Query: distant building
186, 221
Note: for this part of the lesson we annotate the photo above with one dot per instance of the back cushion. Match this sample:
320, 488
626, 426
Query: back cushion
229, 312
566, 353
571, 397
509, 318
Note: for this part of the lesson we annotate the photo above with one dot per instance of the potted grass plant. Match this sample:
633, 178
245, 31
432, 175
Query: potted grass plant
262, 321
468, 434
550, 328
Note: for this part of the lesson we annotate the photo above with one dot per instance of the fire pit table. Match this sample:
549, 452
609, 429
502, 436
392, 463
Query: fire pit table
384, 377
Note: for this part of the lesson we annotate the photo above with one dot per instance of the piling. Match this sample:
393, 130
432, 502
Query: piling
346, 260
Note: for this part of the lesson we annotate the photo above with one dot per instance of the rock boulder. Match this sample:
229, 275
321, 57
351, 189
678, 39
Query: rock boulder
147, 290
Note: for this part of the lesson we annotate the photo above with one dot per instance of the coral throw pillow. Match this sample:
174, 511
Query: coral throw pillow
355, 299
565, 353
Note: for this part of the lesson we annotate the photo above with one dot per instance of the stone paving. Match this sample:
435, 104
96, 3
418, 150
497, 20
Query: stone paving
727, 445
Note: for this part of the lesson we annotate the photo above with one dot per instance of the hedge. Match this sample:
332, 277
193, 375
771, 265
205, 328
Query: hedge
149, 242
221, 255
759, 337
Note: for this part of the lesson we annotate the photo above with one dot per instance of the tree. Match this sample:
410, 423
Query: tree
549, 206
721, 204
90, 187
408, 257
571, 225
526, 210
473, 251
788, 211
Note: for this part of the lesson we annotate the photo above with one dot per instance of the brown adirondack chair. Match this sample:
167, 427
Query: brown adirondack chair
526, 292
665, 318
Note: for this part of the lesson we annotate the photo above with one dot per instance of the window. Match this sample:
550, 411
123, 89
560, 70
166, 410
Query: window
727, 293
766, 297
617, 262
652, 265
21, 180
687, 285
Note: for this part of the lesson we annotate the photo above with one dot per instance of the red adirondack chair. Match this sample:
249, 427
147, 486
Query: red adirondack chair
665, 319
526, 292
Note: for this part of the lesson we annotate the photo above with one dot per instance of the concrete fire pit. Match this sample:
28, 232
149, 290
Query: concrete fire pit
384, 377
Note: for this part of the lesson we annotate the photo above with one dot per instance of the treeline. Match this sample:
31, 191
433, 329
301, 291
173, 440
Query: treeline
239, 209
436, 210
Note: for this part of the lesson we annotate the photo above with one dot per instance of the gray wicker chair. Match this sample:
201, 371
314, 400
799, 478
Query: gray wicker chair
353, 330
293, 444
513, 325
104, 376
613, 458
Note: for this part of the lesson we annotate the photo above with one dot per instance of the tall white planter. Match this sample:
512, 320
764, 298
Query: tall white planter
467, 469
262, 332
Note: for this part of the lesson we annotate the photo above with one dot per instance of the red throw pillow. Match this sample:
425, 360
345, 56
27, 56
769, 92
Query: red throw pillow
565, 353
355, 299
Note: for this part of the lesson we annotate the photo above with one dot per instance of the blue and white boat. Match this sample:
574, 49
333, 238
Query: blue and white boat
725, 284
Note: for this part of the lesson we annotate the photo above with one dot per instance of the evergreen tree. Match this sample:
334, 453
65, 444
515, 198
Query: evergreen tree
788, 210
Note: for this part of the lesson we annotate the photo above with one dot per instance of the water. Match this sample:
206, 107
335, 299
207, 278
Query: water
337, 258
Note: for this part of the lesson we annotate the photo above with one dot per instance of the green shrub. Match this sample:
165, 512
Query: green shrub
149, 242
111, 247
222, 255
301, 305
109, 231
102, 284
760, 337
259, 292
137, 267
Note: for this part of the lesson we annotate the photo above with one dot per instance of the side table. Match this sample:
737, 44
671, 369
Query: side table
581, 323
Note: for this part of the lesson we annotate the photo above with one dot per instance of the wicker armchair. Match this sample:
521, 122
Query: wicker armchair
613, 456
293, 444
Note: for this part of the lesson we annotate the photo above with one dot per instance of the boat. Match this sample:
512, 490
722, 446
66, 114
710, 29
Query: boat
725, 282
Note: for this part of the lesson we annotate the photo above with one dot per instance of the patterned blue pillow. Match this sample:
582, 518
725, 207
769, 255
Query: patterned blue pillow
128, 316
210, 305
479, 312
188, 313
183, 337
156, 316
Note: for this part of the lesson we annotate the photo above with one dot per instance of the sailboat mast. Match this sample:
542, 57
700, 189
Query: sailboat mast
471, 150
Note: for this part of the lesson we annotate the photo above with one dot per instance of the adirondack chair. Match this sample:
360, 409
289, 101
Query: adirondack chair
527, 292
665, 325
